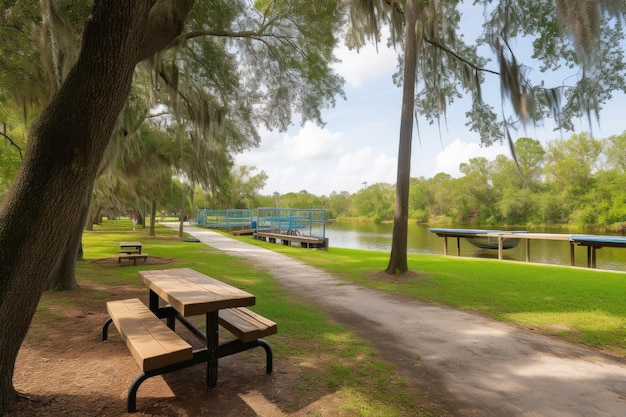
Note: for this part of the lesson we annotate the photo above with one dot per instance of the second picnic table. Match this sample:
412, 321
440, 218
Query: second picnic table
130, 247
131, 251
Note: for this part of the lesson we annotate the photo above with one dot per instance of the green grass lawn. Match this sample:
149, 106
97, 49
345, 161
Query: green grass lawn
581, 305
329, 358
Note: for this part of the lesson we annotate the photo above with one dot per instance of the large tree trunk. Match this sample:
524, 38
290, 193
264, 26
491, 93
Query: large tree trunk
64, 152
64, 275
398, 258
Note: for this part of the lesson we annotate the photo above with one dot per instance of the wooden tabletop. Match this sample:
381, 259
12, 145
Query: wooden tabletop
130, 244
192, 293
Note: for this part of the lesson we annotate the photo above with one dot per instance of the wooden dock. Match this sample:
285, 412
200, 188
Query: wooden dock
592, 242
285, 239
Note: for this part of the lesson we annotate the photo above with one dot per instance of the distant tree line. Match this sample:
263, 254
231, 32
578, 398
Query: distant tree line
578, 181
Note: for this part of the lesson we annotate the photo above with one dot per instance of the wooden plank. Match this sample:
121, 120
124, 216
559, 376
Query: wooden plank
128, 251
132, 256
152, 344
130, 244
192, 293
291, 238
246, 324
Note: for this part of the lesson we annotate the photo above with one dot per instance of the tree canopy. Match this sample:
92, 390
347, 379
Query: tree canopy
217, 68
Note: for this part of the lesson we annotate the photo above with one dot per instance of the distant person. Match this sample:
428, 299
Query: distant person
134, 220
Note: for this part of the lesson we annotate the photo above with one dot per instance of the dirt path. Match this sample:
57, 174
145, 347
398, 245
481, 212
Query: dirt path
480, 366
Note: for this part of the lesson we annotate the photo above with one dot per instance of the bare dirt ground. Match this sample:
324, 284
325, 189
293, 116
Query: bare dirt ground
64, 368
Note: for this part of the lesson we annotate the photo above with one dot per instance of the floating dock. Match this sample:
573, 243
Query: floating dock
504, 238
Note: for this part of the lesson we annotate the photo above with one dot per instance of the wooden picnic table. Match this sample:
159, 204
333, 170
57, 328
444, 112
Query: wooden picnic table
191, 293
130, 247
158, 349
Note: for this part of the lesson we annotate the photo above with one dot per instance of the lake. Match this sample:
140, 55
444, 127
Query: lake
377, 237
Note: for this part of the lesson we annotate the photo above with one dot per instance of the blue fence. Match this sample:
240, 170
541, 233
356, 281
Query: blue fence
225, 219
302, 222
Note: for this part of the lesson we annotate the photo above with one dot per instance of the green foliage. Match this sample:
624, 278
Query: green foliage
568, 183
338, 204
232, 70
239, 189
375, 202
302, 199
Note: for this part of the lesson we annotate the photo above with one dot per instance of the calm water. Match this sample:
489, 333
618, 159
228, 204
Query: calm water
378, 237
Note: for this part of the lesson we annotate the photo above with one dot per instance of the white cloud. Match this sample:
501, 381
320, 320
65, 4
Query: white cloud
366, 64
357, 163
311, 142
385, 169
458, 152
346, 173
367, 165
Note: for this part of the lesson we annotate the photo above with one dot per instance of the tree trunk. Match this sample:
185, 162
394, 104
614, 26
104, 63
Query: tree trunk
95, 217
398, 258
153, 217
139, 219
64, 275
63, 154
181, 218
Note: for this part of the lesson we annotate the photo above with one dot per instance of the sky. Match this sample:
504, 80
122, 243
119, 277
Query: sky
358, 145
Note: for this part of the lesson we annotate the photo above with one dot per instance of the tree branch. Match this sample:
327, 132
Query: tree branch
460, 58
13, 144
222, 33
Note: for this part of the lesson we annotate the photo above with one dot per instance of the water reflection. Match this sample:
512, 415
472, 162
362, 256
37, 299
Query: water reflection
378, 237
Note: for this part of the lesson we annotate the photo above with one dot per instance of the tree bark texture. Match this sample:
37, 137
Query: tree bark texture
63, 276
64, 150
398, 257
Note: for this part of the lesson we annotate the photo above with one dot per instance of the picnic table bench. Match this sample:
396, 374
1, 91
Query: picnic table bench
131, 251
156, 346
150, 341
132, 256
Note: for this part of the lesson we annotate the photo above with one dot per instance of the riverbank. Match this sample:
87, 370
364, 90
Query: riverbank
370, 236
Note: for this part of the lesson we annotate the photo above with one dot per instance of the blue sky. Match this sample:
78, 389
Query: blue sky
359, 143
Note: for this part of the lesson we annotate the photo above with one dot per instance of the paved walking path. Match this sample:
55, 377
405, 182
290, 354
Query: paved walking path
481, 367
